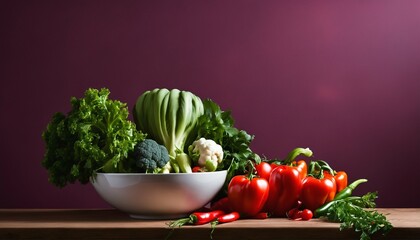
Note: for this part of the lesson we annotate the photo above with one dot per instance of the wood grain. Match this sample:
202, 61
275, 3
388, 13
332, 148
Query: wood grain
113, 224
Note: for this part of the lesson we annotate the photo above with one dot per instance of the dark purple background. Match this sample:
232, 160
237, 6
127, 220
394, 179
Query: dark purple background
340, 77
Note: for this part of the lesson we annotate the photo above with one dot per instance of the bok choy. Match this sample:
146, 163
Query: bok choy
169, 117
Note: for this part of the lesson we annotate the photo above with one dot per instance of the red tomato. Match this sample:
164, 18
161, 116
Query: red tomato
296, 214
247, 196
306, 214
197, 169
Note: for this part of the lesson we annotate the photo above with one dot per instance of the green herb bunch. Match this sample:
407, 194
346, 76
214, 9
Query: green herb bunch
95, 136
354, 212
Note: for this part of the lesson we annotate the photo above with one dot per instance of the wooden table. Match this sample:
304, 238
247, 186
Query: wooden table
113, 224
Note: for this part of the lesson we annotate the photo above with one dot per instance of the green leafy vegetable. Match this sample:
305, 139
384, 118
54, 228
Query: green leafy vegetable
219, 126
169, 117
352, 212
94, 136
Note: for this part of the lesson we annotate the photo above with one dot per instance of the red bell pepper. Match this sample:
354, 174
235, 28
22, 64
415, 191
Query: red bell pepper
247, 194
302, 168
316, 192
341, 180
285, 186
328, 175
300, 165
286, 183
319, 186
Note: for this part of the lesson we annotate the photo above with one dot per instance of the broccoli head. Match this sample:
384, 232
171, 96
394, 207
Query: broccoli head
149, 155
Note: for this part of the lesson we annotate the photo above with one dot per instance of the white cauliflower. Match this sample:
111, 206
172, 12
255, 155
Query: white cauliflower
206, 153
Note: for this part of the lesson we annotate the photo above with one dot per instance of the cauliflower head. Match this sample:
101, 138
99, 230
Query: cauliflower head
206, 153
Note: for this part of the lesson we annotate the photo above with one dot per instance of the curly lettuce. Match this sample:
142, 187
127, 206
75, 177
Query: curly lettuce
95, 136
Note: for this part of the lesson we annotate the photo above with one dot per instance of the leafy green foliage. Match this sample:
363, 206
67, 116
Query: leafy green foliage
219, 126
95, 135
352, 212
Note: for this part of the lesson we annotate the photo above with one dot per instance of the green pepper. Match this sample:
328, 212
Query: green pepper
346, 192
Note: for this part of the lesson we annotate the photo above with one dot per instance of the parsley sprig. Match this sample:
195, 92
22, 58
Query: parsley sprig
354, 212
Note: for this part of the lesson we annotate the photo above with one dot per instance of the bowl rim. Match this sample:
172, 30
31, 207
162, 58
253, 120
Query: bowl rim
163, 174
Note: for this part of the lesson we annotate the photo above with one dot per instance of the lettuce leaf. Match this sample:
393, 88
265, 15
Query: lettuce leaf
95, 136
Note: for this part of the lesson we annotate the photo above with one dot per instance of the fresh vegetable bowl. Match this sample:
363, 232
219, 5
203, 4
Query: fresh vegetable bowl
158, 196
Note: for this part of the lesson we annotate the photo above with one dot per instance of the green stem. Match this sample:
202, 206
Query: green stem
181, 222
184, 162
251, 169
296, 152
316, 169
326, 167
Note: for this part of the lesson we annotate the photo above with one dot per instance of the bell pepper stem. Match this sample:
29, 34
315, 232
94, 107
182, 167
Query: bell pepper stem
251, 169
296, 152
317, 168
326, 167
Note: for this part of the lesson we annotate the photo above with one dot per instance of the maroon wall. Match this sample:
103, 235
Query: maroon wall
340, 77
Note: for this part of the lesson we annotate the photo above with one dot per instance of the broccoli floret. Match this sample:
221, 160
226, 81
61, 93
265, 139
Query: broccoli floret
149, 155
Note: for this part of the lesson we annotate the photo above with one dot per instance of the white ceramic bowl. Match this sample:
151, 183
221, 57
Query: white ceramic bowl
159, 196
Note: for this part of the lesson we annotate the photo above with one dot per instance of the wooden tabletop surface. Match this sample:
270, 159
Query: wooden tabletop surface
113, 224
